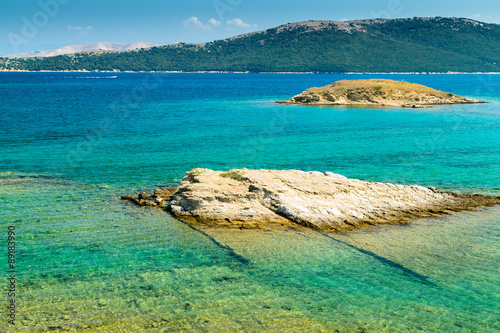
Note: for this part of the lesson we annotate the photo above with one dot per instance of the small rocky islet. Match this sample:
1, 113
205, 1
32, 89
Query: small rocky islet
377, 92
327, 201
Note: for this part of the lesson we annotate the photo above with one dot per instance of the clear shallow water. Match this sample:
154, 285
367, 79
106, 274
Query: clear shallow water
71, 144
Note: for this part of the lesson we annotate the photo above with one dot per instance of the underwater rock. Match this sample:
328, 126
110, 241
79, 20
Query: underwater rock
160, 198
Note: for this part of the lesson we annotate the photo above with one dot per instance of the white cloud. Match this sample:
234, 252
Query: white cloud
214, 22
79, 28
83, 30
194, 23
476, 16
240, 24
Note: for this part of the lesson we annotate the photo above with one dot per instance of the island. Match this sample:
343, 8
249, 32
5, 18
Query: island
327, 201
377, 92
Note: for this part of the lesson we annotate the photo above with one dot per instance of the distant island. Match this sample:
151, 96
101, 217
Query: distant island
377, 92
438, 45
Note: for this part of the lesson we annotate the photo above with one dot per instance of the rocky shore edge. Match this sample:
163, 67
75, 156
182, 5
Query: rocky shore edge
253, 198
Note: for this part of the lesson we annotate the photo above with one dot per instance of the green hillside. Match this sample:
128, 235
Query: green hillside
399, 45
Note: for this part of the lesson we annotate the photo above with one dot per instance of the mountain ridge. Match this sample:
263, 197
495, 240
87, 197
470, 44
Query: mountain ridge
378, 45
77, 48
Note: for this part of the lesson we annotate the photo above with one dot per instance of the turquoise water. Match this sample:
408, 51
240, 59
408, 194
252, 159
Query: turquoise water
73, 143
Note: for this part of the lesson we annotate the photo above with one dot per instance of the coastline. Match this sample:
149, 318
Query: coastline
249, 72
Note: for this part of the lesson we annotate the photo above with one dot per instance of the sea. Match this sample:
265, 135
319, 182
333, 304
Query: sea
76, 258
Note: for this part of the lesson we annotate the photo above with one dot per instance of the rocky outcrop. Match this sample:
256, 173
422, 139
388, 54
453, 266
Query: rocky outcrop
377, 92
251, 198
160, 198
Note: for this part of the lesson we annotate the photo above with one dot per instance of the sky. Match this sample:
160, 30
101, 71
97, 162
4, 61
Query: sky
36, 25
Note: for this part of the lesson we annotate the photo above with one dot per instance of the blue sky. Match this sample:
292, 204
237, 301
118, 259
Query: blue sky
29, 25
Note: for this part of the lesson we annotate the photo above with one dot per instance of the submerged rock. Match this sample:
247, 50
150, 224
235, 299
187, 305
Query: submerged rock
164, 194
161, 198
321, 201
377, 92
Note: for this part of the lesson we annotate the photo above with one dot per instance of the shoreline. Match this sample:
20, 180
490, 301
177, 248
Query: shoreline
248, 72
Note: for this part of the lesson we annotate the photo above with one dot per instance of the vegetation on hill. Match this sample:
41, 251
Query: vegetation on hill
398, 45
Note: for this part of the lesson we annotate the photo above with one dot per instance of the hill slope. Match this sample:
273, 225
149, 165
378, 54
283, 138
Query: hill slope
398, 45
